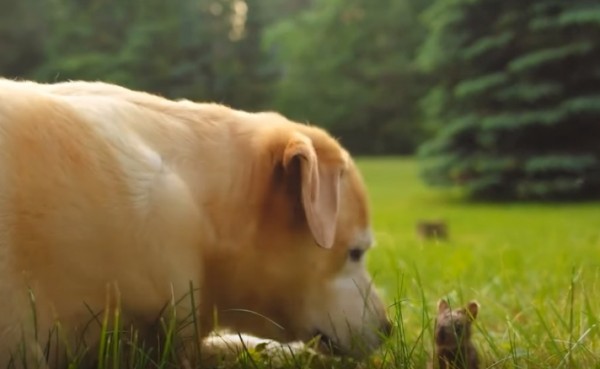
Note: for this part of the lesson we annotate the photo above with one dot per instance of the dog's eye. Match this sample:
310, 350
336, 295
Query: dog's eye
356, 254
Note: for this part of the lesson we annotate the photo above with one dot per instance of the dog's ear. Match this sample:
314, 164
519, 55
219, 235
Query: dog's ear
320, 189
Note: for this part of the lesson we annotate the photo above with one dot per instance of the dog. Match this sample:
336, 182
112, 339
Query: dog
111, 197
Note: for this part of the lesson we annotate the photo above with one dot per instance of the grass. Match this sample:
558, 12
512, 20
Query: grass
534, 269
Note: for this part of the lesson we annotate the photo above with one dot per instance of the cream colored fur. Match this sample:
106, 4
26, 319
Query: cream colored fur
112, 196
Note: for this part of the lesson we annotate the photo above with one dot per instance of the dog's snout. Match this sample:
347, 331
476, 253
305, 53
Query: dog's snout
387, 328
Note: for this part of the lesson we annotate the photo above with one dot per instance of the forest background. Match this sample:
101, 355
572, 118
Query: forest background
500, 98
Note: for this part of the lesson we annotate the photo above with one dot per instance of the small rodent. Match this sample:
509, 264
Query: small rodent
432, 229
453, 346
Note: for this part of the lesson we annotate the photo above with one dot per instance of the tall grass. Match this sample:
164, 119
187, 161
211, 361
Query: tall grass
534, 268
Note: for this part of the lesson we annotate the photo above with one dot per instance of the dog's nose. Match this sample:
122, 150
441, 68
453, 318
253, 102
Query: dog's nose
387, 328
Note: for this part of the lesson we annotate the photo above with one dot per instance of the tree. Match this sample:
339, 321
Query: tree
517, 104
200, 50
21, 37
348, 65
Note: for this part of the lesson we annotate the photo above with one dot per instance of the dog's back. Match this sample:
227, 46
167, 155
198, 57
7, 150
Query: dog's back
78, 198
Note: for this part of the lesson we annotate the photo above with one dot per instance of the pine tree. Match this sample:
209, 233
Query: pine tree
516, 112
21, 37
348, 65
199, 50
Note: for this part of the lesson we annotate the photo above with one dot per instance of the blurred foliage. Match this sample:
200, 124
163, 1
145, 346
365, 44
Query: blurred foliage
505, 95
349, 65
180, 48
516, 104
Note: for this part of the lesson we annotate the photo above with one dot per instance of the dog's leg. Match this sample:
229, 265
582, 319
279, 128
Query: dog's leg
227, 348
21, 353
19, 323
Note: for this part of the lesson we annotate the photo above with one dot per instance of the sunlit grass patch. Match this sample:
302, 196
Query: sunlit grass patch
533, 268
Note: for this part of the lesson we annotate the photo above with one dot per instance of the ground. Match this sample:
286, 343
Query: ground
534, 268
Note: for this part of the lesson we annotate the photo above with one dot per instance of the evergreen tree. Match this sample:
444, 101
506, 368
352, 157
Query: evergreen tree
200, 50
348, 65
21, 37
516, 112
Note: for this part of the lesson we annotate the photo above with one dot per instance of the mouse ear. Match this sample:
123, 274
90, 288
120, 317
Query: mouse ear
443, 306
473, 309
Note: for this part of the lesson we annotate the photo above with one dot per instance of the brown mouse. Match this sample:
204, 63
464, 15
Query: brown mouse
453, 346
432, 229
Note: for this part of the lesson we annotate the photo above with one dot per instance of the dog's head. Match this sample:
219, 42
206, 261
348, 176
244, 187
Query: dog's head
304, 276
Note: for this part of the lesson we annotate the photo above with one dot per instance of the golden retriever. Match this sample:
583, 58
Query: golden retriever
107, 189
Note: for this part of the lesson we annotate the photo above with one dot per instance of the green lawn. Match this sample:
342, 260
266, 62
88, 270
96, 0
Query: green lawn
534, 268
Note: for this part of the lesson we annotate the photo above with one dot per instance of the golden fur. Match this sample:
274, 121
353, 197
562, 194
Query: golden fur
107, 189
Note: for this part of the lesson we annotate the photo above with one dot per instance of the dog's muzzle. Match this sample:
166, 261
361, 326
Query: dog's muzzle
327, 344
